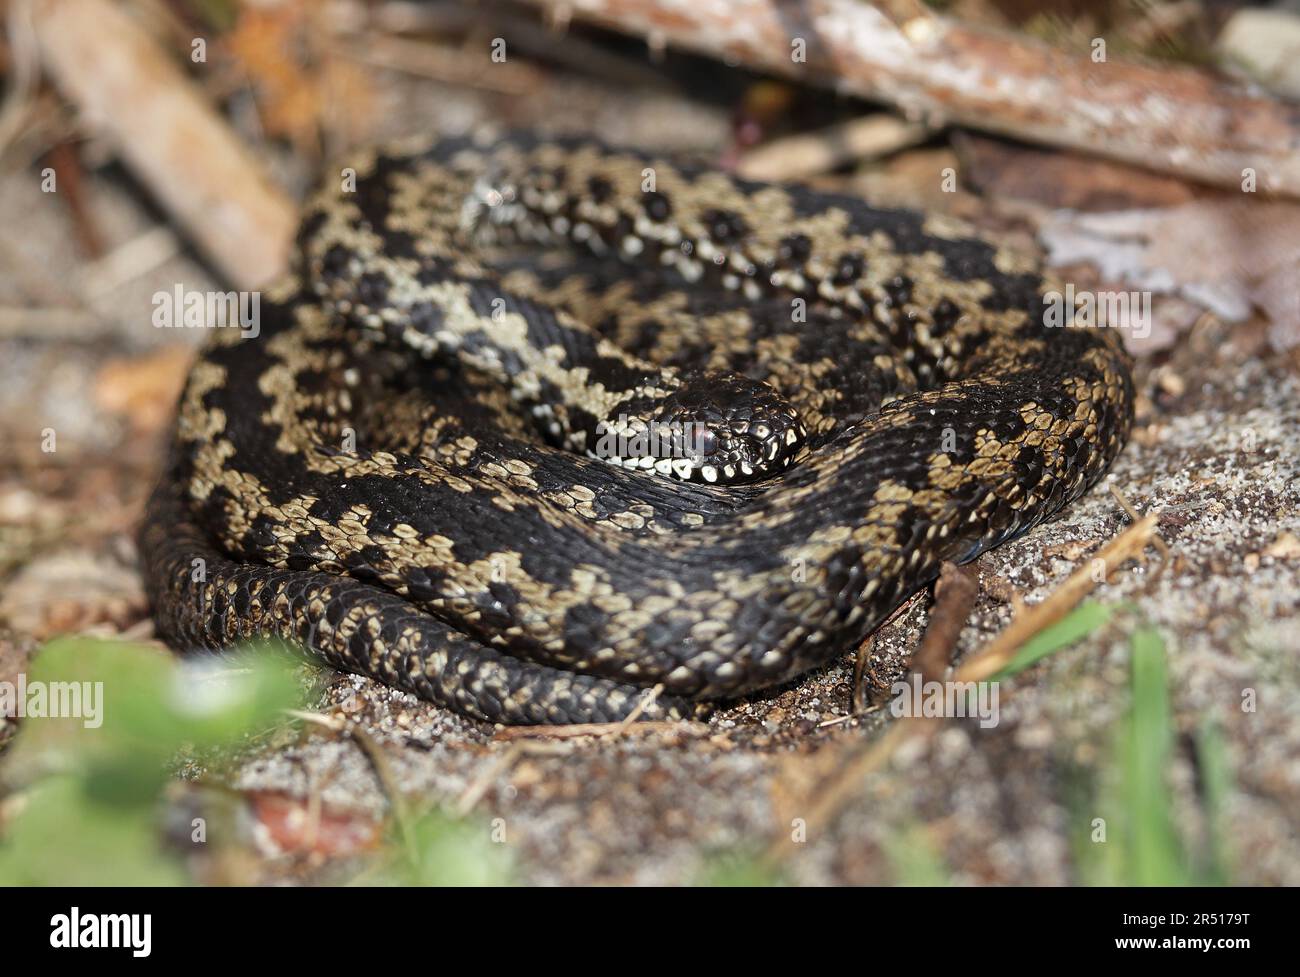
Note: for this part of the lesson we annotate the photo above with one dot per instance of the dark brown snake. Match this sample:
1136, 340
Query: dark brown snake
409, 472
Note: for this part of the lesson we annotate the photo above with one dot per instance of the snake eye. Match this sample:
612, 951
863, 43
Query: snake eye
706, 443
731, 428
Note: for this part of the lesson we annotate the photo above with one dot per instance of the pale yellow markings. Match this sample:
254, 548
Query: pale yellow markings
561, 498
428, 209
613, 602
1011, 261
989, 468
196, 422
585, 579
739, 586
553, 515
892, 491
516, 466
766, 212
461, 451
831, 535
708, 631
946, 476
510, 331
628, 520
658, 605
879, 533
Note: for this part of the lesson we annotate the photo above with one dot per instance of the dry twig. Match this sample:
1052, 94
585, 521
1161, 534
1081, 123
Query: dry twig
169, 135
954, 597
810, 154
21, 80
442, 63
999, 652
862, 760
1172, 119
499, 765
578, 730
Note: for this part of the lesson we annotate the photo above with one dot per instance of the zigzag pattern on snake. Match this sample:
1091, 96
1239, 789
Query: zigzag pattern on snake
431, 466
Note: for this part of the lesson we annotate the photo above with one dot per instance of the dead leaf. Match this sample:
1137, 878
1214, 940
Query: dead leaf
299, 86
289, 825
1229, 256
1285, 547
1064, 180
69, 592
144, 389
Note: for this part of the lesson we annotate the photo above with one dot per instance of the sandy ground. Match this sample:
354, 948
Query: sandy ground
1216, 455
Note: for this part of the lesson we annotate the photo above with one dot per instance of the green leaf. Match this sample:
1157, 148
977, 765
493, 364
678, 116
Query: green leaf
1154, 852
64, 837
436, 849
738, 869
915, 860
1078, 624
150, 706
127, 711
1216, 780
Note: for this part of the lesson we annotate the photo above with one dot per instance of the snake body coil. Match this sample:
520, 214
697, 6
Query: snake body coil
439, 464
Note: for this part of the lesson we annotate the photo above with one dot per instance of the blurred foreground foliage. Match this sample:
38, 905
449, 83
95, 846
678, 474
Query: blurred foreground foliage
88, 809
1125, 829
85, 803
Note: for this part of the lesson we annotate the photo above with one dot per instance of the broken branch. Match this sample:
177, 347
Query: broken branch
1172, 119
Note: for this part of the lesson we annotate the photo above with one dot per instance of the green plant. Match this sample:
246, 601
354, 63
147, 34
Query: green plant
85, 810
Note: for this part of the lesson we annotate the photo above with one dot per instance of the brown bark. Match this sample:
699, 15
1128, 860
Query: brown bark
1174, 120
169, 135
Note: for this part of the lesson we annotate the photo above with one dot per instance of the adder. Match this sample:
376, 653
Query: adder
440, 463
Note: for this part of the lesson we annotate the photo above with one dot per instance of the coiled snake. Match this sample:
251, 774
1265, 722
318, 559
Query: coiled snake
537, 425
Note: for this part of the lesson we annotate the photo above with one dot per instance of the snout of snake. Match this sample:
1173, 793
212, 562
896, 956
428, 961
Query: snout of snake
403, 476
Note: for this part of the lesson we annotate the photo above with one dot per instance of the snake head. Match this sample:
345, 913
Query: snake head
717, 428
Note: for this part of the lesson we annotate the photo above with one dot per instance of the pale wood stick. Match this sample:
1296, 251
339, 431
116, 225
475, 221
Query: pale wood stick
1172, 119
811, 154
998, 653
857, 761
165, 130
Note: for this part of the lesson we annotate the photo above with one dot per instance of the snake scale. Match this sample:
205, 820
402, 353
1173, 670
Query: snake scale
432, 465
